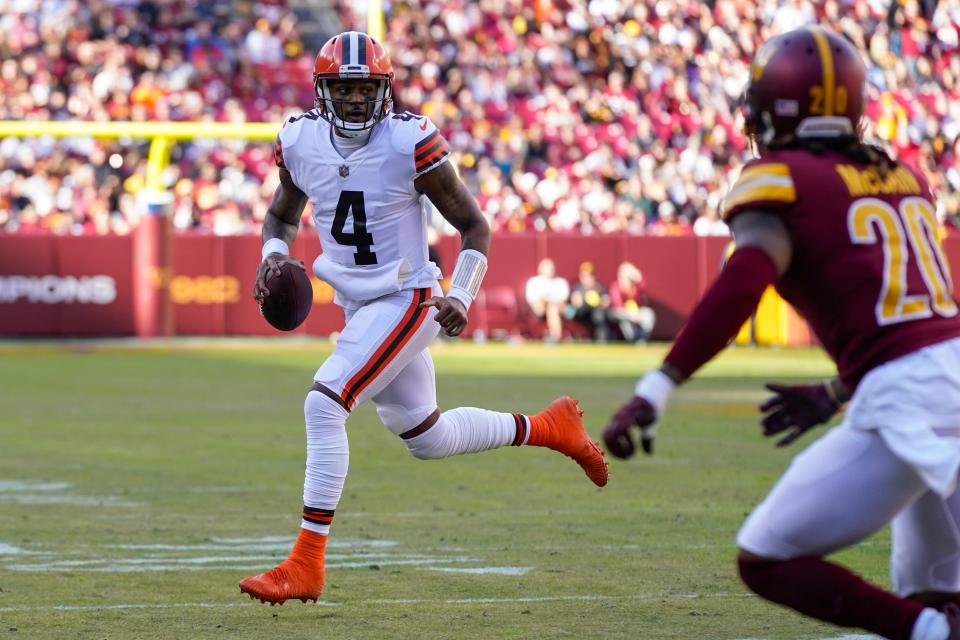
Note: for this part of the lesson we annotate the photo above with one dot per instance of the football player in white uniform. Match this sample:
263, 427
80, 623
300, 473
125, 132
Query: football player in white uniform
364, 168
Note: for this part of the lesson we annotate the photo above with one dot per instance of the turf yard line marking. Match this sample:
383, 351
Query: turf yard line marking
10, 550
77, 501
26, 485
253, 544
172, 564
283, 547
503, 571
45, 493
37, 568
354, 565
172, 605
253, 540
386, 515
232, 489
221, 554
358, 557
335, 559
402, 602
584, 597
245, 544
462, 514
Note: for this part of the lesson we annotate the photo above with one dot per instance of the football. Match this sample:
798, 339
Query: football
290, 299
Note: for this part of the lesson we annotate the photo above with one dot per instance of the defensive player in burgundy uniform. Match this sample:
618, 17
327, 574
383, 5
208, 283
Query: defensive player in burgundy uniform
364, 169
849, 238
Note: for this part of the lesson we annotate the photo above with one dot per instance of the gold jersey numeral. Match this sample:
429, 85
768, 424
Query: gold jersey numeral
916, 223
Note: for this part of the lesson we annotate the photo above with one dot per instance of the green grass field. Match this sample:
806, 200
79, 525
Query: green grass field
138, 484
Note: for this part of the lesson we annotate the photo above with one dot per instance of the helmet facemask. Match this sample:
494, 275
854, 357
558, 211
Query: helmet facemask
335, 111
758, 126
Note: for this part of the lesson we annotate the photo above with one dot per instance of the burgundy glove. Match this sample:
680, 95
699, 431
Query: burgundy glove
617, 437
797, 408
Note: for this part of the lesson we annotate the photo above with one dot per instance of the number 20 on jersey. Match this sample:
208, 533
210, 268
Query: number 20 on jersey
915, 222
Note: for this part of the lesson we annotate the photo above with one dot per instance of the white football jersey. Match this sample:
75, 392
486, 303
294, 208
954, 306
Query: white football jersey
372, 226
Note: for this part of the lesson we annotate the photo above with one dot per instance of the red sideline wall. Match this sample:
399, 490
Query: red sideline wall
82, 286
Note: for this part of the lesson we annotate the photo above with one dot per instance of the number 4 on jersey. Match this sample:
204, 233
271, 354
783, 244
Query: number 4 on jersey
352, 202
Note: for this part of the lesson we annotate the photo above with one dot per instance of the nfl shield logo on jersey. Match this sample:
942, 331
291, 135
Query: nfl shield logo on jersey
344, 171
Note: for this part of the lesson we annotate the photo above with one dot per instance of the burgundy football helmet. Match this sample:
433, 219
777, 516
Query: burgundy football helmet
808, 82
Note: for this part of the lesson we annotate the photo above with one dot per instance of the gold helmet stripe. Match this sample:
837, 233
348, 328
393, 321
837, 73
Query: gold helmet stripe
826, 63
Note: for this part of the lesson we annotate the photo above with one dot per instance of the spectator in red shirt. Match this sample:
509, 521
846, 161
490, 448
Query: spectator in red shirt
668, 223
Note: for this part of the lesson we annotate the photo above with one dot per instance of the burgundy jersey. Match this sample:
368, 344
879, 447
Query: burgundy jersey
868, 273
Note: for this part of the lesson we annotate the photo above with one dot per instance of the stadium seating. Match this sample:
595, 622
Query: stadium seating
570, 116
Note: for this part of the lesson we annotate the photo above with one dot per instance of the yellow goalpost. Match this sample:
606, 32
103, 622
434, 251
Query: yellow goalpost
153, 310
162, 135
773, 325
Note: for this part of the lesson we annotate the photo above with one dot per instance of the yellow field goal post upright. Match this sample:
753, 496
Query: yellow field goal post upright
153, 311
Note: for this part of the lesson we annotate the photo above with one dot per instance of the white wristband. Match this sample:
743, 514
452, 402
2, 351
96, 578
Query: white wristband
656, 386
462, 295
274, 245
467, 276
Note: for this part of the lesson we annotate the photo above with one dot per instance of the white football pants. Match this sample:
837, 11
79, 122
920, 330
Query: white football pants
382, 355
856, 479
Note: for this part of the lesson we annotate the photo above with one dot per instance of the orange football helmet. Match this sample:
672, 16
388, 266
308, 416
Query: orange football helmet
353, 55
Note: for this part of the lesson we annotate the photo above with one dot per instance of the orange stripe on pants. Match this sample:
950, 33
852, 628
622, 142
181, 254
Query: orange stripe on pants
412, 319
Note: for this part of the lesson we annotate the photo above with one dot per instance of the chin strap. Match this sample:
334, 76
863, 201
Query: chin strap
353, 139
347, 133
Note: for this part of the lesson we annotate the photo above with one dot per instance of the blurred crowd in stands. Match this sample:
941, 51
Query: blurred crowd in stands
184, 60
579, 116
620, 311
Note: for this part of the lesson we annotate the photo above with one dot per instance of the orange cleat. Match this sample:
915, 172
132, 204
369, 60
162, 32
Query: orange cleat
559, 427
299, 577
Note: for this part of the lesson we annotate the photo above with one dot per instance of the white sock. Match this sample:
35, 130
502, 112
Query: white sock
469, 430
328, 456
930, 625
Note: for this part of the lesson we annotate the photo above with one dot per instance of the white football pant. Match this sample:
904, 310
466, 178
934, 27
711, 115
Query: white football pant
382, 355
893, 459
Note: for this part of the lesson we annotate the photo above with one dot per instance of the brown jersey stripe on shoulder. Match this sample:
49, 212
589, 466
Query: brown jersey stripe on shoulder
423, 144
433, 155
426, 151
427, 166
